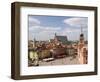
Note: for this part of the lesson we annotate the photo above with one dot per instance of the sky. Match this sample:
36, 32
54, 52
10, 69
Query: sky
44, 27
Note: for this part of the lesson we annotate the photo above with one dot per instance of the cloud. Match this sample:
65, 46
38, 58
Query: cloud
40, 32
73, 34
74, 30
33, 21
43, 32
43, 28
76, 22
47, 33
44, 35
52, 28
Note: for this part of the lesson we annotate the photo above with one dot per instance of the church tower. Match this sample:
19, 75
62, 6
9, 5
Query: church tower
55, 34
81, 36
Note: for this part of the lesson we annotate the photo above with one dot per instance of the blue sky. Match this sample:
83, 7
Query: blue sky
44, 27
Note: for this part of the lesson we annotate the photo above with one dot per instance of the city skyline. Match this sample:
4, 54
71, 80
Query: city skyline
44, 27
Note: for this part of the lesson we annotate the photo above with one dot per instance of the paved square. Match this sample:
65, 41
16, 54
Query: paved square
70, 60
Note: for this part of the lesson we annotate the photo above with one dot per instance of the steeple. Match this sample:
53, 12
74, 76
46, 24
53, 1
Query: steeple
55, 34
81, 35
34, 39
81, 30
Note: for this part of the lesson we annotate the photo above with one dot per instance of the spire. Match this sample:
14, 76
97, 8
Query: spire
55, 34
81, 35
81, 30
34, 39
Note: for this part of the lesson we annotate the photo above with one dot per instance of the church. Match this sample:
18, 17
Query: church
60, 39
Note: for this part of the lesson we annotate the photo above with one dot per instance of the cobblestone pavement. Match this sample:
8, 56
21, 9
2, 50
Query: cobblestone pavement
70, 60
